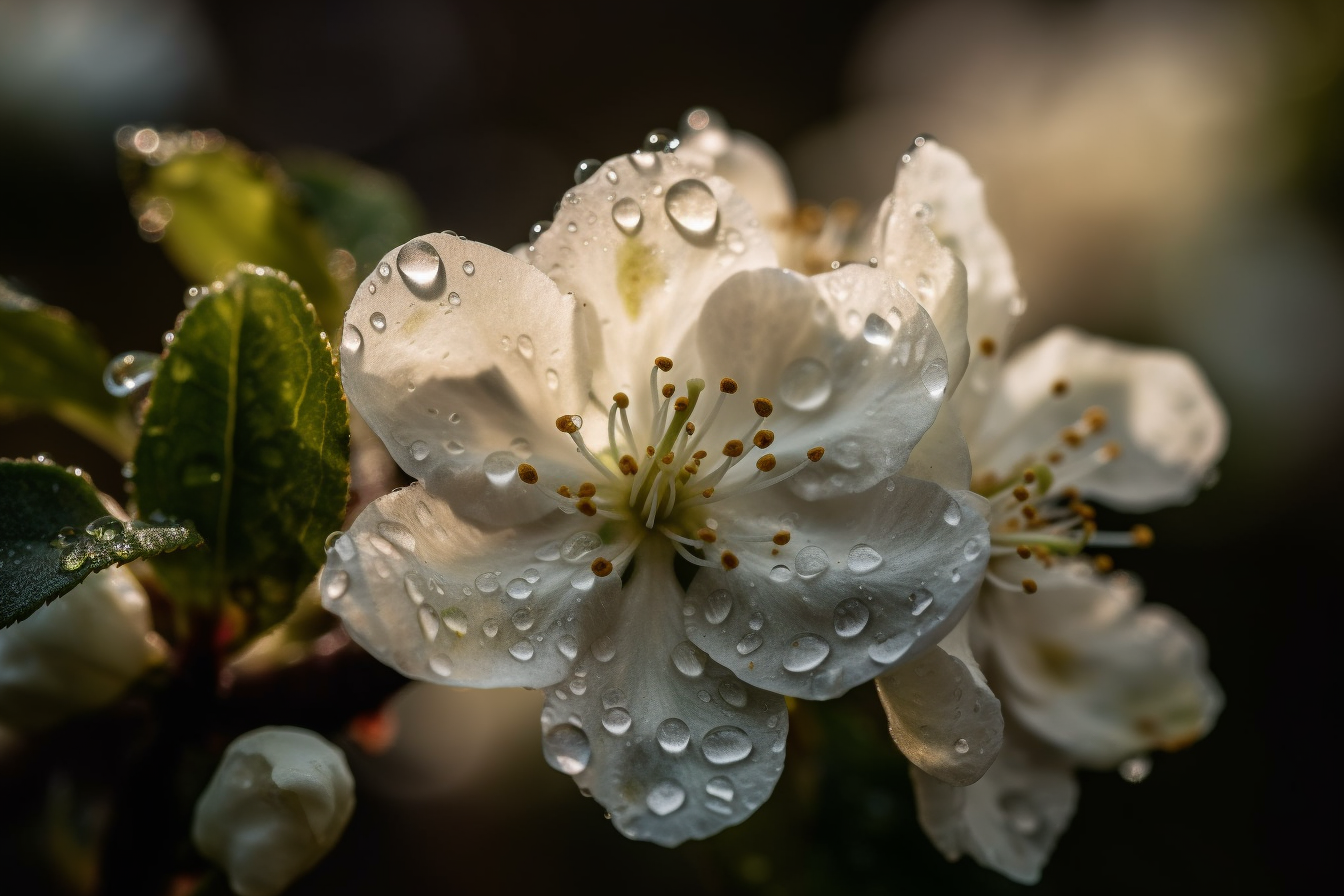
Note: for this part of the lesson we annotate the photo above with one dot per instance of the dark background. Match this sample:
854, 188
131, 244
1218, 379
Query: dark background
484, 109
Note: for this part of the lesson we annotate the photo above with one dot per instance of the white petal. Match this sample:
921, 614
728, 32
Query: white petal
646, 250
1169, 425
943, 715
439, 599
466, 365
754, 169
1092, 670
942, 455
865, 582
672, 744
850, 361
1011, 818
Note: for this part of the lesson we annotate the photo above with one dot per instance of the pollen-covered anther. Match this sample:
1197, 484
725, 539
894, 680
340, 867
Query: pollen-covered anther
566, 424
707, 535
763, 407
987, 346
732, 448
528, 474
729, 560
1094, 419
1021, 493
1142, 535
587, 490
1110, 451
681, 404
1071, 437
602, 567
1060, 388
1103, 563
763, 439
627, 465
765, 463
649, 451
690, 428
621, 400
1028, 512
1024, 552
1029, 586
781, 537
564, 492
662, 363
707, 492
700, 455
586, 506
1055, 458
1086, 511
728, 385
1028, 477
669, 457
668, 389
814, 454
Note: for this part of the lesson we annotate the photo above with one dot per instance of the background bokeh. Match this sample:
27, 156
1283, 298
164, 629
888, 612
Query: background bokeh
1165, 172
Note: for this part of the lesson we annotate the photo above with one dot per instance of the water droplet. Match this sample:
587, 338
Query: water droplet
352, 340
531, 575
616, 720
490, 627
583, 171
693, 209
468, 268
863, 559
890, 648
522, 618
415, 587
750, 641
525, 346
537, 230
628, 216
577, 687
665, 798
687, 659
613, 697
661, 140
973, 549
580, 545
549, 552
805, 652
566, 749
1019, 813
398, 534
523, 650
721, 788
420, 268
733, 693
934, 376
920, 601
501, 467
717, 606
805, 384
734, 242
612, 176
924, 286
518, 589
673, 735
876, 331
726, 744
456, 622
604, 649
129, 371
429, 622
568, 645
952, 515
851, 617
419, 450
454, 418
454, 447
487, 583
811, 562
1136, 769
848, 454
378, 321
440, 666
336, 585
552, 380
384, 270
961, 746
756, 621
780, 573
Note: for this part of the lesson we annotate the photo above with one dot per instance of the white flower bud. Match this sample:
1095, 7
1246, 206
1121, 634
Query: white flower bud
77, 653
278, 801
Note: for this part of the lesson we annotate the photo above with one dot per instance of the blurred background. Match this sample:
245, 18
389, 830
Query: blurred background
1165, 172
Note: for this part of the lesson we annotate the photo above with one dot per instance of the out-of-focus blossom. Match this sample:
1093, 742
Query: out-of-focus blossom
277, 803
77, 653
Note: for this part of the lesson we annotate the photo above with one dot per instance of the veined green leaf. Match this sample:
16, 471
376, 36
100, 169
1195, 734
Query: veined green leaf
50, 364
247, 434
55, 532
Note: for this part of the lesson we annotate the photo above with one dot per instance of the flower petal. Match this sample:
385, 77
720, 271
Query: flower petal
651, 239
461, 374
943, 715
1090, 669
754, 169
439, 599
1011, 818
942, 455
1161, 412
850, 361
670, 742
865, 582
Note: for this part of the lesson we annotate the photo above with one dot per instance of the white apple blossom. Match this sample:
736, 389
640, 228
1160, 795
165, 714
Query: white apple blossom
1087, 675
730, 526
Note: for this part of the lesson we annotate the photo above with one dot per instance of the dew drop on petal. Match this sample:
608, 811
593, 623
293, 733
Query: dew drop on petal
336, 585
952, 515
129, 371
352, 340
549, 552
693, 209
552, 380
490, 627
487, 583
973, 549
876, 331
780, 574
687, 660
934, 376
419, 450
584, 170
805, 652
398, 534
523, 650
732, 692
568, 645
440, 666
612, 176
721, 788
717, 606
920, 601
851, 617
518, 589
732, 239
580, 545
616, 720
888, 649
468, 268
501, 467
522, 619
805, 384
811, 562
863, 559
531, 575
962, 745
665, 798
613, 697
429, 622
750, 641
455, 621
673, 735
566, 749
604, 649
378, 321
627, 215
420, 268
415, 587
756, 622
384, 270
726, 744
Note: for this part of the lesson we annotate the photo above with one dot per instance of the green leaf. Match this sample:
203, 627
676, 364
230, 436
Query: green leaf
214, 205
247, 434
55, 532
362, 210
51, 364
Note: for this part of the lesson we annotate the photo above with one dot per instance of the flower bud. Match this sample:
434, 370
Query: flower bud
278, 801
76, 653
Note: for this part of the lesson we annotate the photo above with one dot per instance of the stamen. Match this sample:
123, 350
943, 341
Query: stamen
1103, 563
763, 407
766, 463
732, 448
729, 560
687, 555
586, 507
528, 474
781, 538
622, 402
1140, 536
679, 538
763, 439
602, 567
815, 454
668, 390
707, 535
987, 346
564, 492
1029, 586
587, 490
662, 363
1060, 388
627, 465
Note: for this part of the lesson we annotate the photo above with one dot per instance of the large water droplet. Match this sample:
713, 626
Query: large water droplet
568, 645
973, 549
674, 735
523, 650
876, 331
756, 621
378, 321
811, 562
665, 798
732, 692
421, 269
429, 622
584, 170
890, 648
518, 589
522, 619
440, 666
487, 583
934, 376
604, 649
616, 720
580, 545
863, 559
419, 450
687, 659
805, 652
780, 574
129, 371
627, 215
750, 641
693, 209
456, 622
566, 749
352, 340
920, 601
717, 606
468, 268
501, 467
720, 787
415, 587
805, 384
726, 744
851, 617
962, 745
398, 534
952, 515
336, 585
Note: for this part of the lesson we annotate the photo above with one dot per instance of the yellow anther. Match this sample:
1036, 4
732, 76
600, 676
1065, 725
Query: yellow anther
649, 451
763, 439
707, 492
1060, 388
732, 448
728, 385
563, 491
528, 474
668, 389
622, 400
1029, 586
689, 469
566, 424
1028, 477
602, 567
765, 463
586, 507
763, 407
1024, 552
1021, 493
707, 535
781, 537
1095, 419
669, 457
729, 560
663, 364
1103, 563
587, 489
1086, 511
814, 454
1143, 536
681, 404
700, 455
627, 465
1071, 438
690, 428
987, 346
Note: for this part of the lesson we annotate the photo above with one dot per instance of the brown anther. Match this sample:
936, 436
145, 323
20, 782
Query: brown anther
728, 385
707, 535
1024, 552
987, 346
729, 560
1103, 563
621, 400
668, 389
586, 507
763, 407
690, 428
1110, 451
663, 364
700, 455
1095, 419
528, 474
1071, 438
1028, 477
689, 469
668, 457
1086, 511
1142, 535
1021, 493
814, 454
627, 465
781, 537
765, 463
1071, 494
763, 439
732, 448
1089, 529
707, 492
681, 404
587, 489
1029, 586
602, 567
566, 424
564, 492
1060, 388
1028, 512
649, 451
1055, 458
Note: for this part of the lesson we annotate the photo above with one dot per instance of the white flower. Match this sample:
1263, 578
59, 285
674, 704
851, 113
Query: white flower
725, 530
77, 653
1086, 674
277, 803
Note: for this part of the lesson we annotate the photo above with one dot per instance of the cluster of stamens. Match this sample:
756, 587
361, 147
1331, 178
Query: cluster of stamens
659, 485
